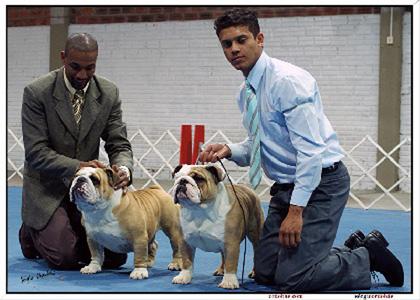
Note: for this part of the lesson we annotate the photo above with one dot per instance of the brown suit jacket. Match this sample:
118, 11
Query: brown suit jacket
54, 146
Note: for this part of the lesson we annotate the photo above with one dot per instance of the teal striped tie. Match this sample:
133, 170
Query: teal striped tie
253, 120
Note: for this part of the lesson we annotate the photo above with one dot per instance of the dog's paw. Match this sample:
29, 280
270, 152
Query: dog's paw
139, 273
175, 264
230, 281
92, 268
184, 277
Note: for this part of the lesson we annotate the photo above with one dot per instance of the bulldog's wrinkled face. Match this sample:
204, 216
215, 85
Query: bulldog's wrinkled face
91, 187
196, 184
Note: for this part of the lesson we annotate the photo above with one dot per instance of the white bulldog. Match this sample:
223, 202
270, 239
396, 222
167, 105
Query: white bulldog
125, 222
212, 219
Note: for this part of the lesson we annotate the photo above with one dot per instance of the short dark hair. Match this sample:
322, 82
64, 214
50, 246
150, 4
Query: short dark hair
82, 42
238, 17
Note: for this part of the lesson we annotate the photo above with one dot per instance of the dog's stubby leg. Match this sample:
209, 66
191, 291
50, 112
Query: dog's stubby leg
185, 276
230, 281
255, 229
254, 247
172, 229
220, 269
177, 256
140, 247
97, 258
153, 246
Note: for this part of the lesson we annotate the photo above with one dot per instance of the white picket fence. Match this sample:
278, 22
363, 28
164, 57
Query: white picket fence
160, 157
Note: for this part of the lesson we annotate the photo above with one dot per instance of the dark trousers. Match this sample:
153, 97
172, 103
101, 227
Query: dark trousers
62, 243
314, 265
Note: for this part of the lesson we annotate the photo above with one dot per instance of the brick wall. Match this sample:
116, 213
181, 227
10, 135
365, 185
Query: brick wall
29, 16
170, 73
173, 13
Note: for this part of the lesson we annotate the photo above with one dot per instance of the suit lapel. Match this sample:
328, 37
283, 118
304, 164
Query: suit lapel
63, 107
91, 110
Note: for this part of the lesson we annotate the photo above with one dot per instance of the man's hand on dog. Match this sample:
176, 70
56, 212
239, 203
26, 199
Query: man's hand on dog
291, 228
214, 151
123, 180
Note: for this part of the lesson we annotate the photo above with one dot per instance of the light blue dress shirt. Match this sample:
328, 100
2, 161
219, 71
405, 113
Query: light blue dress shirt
297, 140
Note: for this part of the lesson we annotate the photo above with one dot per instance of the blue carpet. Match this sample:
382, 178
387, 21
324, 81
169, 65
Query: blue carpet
34, 276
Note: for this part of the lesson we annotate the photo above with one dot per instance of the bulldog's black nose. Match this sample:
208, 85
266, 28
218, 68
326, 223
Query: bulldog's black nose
181, 188
81, 179
183, 181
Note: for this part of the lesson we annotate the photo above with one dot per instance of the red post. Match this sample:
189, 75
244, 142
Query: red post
186, 145
198, 141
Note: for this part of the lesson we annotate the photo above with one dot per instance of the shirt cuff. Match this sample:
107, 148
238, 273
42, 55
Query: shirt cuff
236, 153
300, 197
125, 170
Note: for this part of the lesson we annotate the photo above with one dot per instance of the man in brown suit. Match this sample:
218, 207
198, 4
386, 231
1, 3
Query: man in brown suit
64, 115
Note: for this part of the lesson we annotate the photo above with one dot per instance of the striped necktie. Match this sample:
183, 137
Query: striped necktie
253, 120
78, 100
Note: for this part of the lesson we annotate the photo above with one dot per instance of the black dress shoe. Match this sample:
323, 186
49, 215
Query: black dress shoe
355, 240
378, 235
383, 260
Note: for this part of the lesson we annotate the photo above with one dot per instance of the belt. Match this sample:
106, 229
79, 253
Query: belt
285, 186
331, 168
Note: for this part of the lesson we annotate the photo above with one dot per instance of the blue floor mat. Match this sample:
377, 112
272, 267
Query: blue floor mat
34, 276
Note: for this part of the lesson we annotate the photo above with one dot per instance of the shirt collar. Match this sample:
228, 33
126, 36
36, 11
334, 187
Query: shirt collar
254, 77
69, 87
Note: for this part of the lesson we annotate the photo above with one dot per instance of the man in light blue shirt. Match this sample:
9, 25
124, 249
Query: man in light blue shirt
292, 141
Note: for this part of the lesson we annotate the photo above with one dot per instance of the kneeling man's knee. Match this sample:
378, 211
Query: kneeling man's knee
264, 273
287, 281
64, 260
65, 255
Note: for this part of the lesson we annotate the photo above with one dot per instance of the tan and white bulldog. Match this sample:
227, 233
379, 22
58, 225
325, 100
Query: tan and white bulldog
125, 222
212, 219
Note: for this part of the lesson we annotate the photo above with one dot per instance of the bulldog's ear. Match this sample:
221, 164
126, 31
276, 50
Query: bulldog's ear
112, 176
176, 170
217, 172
